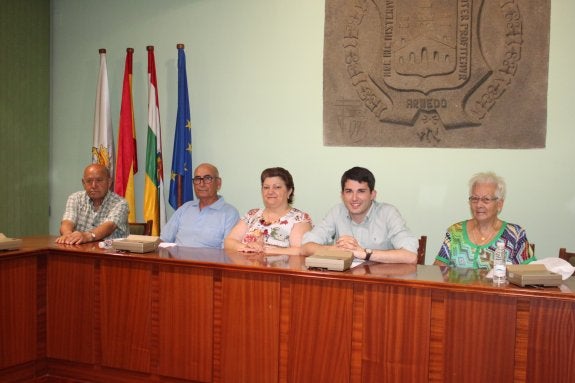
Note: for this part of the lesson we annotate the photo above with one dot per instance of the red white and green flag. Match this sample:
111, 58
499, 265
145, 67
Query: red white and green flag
127, 160
154, 202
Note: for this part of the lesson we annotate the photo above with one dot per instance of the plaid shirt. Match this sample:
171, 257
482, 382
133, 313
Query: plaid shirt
80, 210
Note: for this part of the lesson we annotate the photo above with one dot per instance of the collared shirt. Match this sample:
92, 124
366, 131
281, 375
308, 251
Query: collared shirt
383, 228
190, 226
80, 210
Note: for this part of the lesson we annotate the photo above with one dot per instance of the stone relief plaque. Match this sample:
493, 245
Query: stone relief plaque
436, 73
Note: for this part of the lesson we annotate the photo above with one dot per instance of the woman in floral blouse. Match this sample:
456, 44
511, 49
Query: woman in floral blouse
277, 228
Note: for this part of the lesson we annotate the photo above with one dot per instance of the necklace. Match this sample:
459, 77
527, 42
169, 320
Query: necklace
268, 221
483, 238
265, 222
271, 219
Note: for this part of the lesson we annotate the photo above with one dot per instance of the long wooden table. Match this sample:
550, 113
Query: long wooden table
198, 315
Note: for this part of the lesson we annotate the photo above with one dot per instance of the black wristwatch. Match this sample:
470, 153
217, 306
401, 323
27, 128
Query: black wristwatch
368, 253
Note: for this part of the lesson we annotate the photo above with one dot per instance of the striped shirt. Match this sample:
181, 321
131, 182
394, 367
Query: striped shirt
457, 249
383, 228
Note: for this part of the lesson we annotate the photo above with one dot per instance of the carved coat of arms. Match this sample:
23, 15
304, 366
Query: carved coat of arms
447, 73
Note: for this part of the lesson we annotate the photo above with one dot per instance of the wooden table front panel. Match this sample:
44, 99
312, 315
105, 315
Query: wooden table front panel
479, 337
125, 312
551, 342
185, 322
395, 341
70, 295
246, 323
18, 311
320, 331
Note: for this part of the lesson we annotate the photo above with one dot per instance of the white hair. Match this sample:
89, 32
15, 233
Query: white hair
489, 178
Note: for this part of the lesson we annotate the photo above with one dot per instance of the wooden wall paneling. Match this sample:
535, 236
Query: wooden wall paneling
97, 318
250, 311
284, 328
18, 311
321, 331
41, 314
123, 319
186, 323
70, 313
521, 339
551, 350
396, 334
125, 309
437, 331
217, 329
480, 337
357, 333
155, 320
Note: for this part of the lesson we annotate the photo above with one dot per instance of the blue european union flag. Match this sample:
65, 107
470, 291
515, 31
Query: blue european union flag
181, 188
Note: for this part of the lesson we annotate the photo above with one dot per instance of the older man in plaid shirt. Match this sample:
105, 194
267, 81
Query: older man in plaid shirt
95, 213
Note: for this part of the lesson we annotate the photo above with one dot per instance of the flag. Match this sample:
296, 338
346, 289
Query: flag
181, 189
103, 142
127, 160
154, 204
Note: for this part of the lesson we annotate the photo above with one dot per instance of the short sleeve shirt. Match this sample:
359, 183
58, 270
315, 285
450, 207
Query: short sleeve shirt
275, 233
457, 249
194, 227
80, 210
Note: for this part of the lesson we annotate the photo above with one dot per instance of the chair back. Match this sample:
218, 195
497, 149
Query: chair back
421, 250
141, 228
569, 257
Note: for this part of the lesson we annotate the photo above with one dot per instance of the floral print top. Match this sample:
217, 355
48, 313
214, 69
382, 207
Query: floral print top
272, 233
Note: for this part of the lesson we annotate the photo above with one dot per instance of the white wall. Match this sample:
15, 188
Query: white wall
255, 81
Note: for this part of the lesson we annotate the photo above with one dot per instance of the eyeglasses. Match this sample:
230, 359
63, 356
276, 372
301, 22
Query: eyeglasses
485, 200
90, 181
206, 179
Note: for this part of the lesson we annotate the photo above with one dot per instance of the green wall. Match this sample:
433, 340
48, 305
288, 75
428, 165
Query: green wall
24, 116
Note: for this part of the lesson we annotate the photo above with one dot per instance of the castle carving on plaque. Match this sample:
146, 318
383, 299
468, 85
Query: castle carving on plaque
436, 73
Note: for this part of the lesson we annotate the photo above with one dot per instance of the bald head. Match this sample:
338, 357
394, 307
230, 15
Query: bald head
207, 168
97, 168
96, 182
207, 182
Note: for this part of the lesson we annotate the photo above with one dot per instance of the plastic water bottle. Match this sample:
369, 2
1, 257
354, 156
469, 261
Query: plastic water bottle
499, 266
105, 244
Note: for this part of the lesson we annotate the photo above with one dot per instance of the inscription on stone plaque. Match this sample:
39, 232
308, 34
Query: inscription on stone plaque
436, 73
